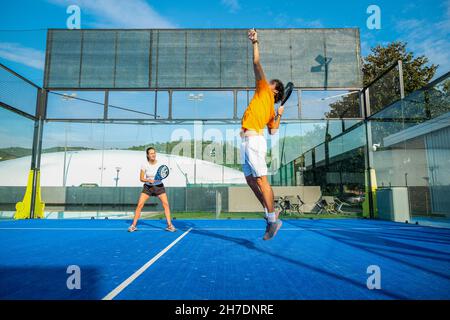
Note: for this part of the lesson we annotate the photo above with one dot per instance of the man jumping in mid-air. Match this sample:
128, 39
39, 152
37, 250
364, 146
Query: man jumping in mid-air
259, 114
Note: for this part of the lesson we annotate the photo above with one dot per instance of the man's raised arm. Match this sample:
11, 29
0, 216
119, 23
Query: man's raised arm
259, 73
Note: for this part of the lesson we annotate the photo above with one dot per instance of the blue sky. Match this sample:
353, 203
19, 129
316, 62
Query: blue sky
424, 24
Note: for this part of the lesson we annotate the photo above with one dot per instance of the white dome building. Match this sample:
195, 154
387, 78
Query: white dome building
100, 168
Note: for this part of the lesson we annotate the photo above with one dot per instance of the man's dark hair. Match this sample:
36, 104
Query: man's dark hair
147, 150
280, 88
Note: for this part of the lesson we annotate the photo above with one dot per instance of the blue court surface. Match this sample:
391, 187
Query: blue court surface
223, 259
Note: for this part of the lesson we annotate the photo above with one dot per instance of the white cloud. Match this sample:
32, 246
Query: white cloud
366, 40
284, 21
28, 56
232, 5
119, 14
310, 24
448, 9
428, 38
409, 7
409, 24
369, 41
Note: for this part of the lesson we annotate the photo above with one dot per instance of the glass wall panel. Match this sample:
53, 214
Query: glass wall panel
202, 105
411, 152
16, 143
335, 166
243, 99
384, 91
76, 105
162, 105
320, 153
317, 104
95, 166
291, 108
131, 105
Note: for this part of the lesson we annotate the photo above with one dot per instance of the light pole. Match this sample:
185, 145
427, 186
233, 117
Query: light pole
65, 98
66, 166
195, 98
117, 176
213, 155
223, 171
101, 169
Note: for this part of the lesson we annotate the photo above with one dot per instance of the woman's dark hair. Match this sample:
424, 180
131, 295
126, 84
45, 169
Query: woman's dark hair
280, 88
147, 150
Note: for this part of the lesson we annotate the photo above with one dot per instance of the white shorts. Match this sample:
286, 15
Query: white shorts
253, 156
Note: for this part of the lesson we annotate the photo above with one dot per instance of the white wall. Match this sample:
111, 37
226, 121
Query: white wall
86, 167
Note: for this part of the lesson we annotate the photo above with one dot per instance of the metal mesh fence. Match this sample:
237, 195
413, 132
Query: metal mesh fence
311, 58
16, 92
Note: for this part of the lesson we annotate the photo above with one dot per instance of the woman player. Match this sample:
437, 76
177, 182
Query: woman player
147, 175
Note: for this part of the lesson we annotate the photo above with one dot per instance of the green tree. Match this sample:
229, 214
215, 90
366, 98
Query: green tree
417, 72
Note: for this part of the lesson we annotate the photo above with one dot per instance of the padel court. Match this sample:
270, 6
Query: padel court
361, 154
223, 259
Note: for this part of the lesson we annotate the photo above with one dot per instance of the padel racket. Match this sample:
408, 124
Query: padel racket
287, 92
161, 174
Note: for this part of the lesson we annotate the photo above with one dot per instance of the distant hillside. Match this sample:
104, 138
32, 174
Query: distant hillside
16, 152
13, 153
292, 147
61, 149
207, 146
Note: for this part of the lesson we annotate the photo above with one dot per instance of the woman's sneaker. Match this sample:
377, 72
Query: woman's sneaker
171, 228
132, 229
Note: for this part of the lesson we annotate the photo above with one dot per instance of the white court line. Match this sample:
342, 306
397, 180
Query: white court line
214, 229
82, 229
142, 269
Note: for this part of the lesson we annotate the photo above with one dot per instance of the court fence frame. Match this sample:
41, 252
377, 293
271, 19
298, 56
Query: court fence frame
40, 116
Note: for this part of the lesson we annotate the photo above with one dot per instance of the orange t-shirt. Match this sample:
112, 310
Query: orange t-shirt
261, 110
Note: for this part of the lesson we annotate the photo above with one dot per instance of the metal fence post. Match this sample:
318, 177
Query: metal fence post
400, 79
37, 145
218, 203
106, 105
369, 155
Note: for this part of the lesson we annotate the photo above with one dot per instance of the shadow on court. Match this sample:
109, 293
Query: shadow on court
389, 249
252, 246
420, 250
49, 283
